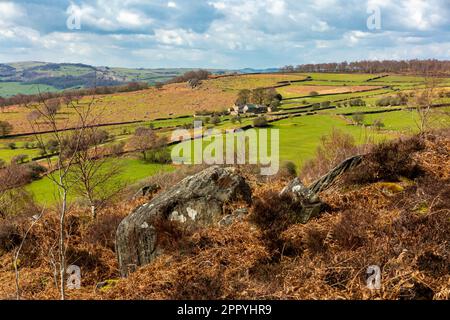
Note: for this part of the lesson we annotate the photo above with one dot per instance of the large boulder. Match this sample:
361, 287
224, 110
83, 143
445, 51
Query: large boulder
196, 201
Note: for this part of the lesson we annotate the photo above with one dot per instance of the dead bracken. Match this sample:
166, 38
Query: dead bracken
266, 254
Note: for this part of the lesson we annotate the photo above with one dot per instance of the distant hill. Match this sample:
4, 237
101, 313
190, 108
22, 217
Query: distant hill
32, 76
250, 70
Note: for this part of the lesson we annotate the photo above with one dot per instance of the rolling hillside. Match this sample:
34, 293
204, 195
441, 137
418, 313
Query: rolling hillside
31, 77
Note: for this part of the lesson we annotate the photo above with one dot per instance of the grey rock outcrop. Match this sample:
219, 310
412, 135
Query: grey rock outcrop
310, 203
196, 201
307, 197
327, 180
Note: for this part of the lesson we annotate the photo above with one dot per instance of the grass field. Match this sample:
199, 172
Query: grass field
250, 81
218, 94
8, 89
299, 135
407, 121
132, 170
305, 90
7, 154
332, 98
343, 77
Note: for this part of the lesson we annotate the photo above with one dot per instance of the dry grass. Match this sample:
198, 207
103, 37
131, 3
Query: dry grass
172, 100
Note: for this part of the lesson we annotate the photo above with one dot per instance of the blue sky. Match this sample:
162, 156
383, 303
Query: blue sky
222, 33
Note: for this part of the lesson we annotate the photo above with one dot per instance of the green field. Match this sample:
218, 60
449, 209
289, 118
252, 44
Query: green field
8, 89
342, 77
7, 154
132, 170
300, 134
333, 97
406, 121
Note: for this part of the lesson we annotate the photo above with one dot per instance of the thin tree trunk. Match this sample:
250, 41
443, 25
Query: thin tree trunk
62, 253
16, 269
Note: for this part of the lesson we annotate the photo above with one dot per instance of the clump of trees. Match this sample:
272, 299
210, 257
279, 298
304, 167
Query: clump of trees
260, 122
352, 103
17, 174
5, 128
262, 96
378, 124
398, 100
152, 147
357, 103
325, 104
20, 159
71, 95
358, 118
49, 147
193, 78
399, 66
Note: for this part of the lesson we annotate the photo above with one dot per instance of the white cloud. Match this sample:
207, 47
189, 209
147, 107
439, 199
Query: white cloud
171, 4
10, 11
276, 7
224, 33
132, 19
109, 18
177, 37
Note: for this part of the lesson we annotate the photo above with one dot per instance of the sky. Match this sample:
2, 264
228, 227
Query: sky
228, 34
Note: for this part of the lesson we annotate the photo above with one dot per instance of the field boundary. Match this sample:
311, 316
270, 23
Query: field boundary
335, 94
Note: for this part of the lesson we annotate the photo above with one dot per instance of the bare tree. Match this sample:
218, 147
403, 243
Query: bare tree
93, 171
423, 101
5, 128
143, 140
60, 167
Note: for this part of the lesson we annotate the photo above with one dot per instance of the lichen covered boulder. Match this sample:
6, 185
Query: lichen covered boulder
196, 201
